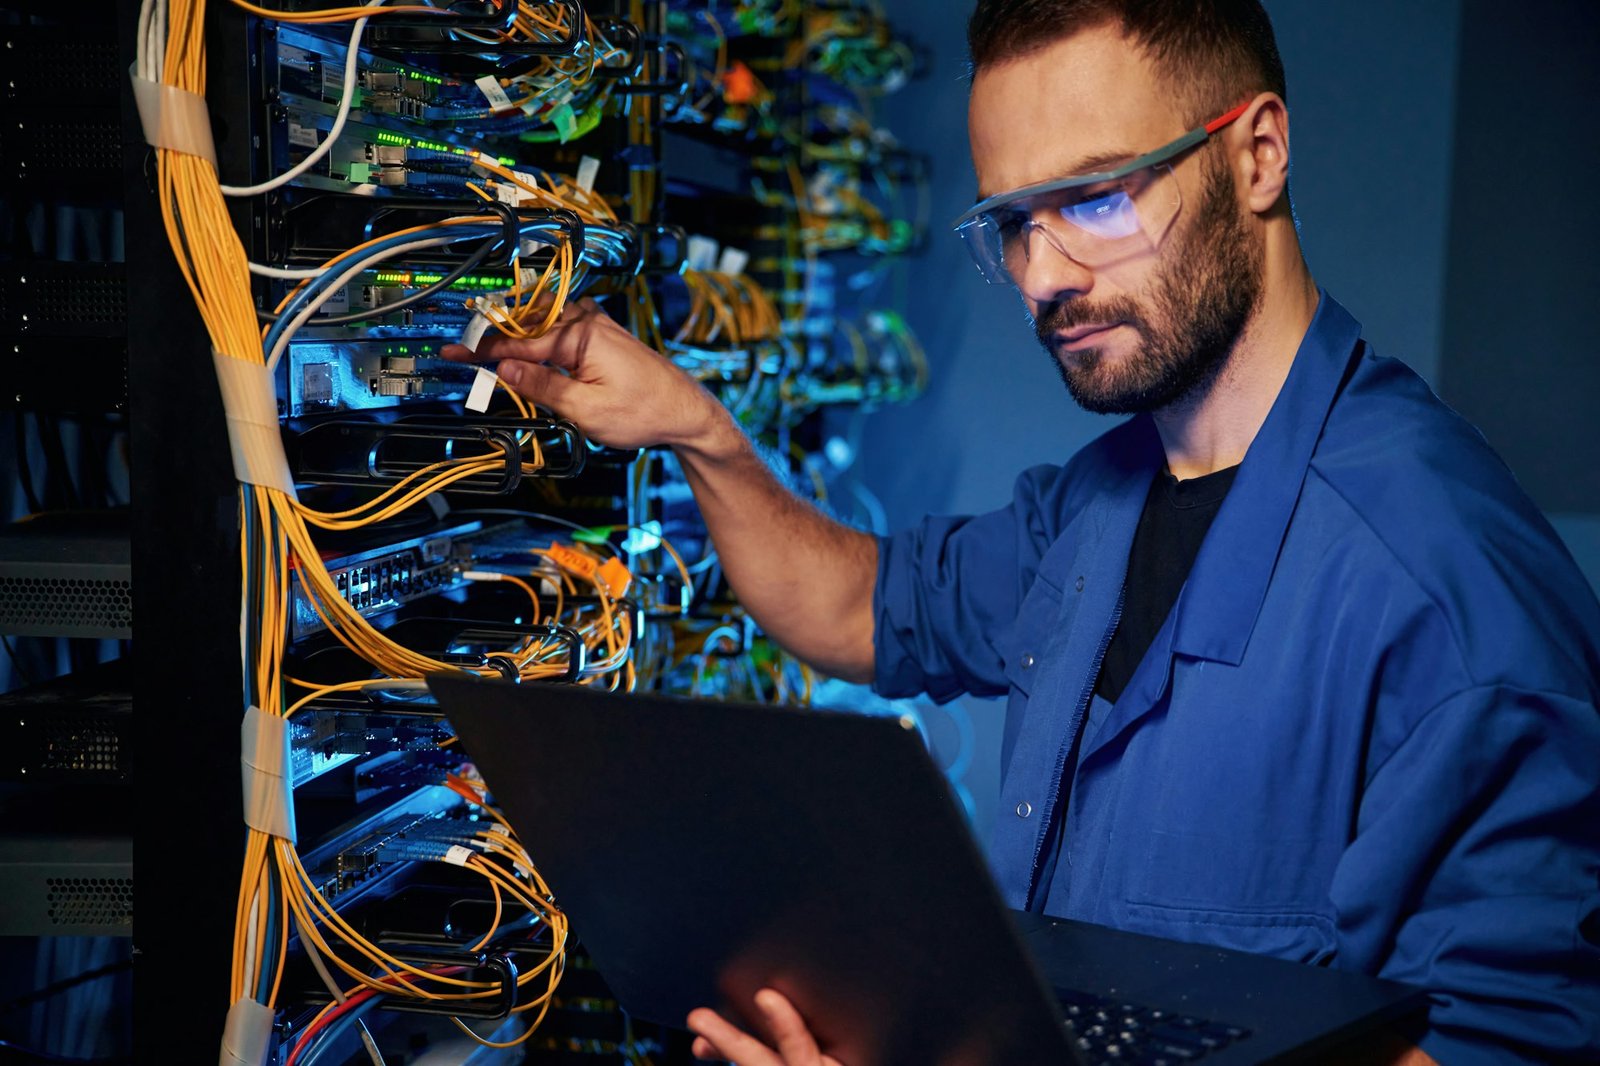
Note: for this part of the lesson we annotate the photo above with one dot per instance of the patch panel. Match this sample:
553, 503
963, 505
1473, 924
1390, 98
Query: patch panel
324, 738
383, 579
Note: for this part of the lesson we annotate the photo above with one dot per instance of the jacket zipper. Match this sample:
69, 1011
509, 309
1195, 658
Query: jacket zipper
1061, 757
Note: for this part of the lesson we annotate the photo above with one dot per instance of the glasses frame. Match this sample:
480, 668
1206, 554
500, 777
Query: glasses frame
1168, 151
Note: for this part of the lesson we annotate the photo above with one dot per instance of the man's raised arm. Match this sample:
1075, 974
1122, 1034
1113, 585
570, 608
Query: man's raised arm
805, 578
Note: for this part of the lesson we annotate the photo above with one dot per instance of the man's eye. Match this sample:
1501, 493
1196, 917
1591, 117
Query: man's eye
1097, 201
1011, 225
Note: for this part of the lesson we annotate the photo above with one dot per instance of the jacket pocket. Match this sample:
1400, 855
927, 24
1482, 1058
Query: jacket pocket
1037, 623
1297, 936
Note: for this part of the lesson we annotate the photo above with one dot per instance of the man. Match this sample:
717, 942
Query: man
1293, 665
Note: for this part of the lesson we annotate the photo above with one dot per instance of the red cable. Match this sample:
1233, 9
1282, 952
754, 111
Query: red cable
355, 999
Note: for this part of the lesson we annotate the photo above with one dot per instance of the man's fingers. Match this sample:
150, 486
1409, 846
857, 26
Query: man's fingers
539, 384
729, 1041
795, 1042
552, 349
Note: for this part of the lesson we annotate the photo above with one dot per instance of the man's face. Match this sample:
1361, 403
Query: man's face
1150, 329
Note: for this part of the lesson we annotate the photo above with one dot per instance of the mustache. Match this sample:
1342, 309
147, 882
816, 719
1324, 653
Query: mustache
1070, 314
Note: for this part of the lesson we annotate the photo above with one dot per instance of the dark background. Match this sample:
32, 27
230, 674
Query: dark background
1445, 181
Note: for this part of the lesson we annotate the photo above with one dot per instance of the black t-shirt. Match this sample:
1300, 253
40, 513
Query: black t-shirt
1175, 519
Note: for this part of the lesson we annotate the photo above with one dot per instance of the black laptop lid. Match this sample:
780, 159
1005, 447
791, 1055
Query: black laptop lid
706, 850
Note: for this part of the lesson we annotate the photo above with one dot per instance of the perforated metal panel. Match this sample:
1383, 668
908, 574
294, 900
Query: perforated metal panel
77, 901
59, 145
66, 574
45, 64
63, 299
66, 885
81, 746
66, 606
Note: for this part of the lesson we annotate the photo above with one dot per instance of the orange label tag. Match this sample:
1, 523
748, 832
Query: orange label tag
574, 561
739, 84
615, 576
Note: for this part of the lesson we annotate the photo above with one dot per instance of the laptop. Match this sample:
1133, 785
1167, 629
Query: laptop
704, 850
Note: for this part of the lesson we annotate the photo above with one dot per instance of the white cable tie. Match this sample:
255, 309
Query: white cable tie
250, 401
473, 333
733, 261
458, 855
482, 575
174, 118
247, 1034
264, 763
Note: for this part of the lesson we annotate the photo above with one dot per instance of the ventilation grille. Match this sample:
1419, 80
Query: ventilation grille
66, 606
78, 901
47, 65
64, 299
73, 147
82, 745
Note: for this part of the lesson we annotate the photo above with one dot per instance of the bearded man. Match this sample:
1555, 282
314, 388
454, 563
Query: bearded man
1291, 663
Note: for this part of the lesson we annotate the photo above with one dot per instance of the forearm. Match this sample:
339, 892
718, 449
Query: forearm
805, 578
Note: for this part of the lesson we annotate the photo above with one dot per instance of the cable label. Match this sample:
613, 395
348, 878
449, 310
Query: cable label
574, 561
489, 85
616, 578
588, 170
482, 389
702, 253
473, 333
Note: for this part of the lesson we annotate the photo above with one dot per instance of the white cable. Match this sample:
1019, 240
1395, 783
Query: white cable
339, 283
346, 97
250, 939
371, 1045
286, 273
142, 40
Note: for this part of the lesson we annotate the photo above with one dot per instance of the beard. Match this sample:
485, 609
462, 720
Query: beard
1199, 302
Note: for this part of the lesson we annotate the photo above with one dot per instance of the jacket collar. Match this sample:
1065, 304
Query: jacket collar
1217, 610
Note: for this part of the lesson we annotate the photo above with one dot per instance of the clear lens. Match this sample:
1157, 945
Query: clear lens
1093, 225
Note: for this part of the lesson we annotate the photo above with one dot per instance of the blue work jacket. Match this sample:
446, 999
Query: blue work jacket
1365, 737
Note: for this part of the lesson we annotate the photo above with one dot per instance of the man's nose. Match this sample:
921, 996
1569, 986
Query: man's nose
1048, 273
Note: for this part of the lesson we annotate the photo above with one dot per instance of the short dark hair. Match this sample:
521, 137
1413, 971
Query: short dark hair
1215, 53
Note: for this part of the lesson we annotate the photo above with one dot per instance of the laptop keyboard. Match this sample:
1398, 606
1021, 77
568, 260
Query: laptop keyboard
1110, 1032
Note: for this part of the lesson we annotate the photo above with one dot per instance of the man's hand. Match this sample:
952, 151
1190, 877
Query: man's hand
805, 578
592, 371
718, 1038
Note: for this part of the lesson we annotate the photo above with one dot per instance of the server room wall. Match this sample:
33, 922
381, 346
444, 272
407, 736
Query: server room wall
1373, 88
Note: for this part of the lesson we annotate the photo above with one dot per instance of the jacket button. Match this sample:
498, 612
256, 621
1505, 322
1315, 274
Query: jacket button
1027, 662
1080, 584
1024, 809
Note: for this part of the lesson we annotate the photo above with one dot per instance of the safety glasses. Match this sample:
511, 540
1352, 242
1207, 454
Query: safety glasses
1093, 219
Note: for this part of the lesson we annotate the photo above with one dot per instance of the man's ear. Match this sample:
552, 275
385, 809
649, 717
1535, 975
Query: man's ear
1258, 146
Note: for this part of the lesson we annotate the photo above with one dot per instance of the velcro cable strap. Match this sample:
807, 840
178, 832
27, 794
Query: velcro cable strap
250, 400
174, 118
247, 1034
265, 768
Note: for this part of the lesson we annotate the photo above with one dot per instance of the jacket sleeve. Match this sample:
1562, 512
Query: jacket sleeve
1475, 873
949, 587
